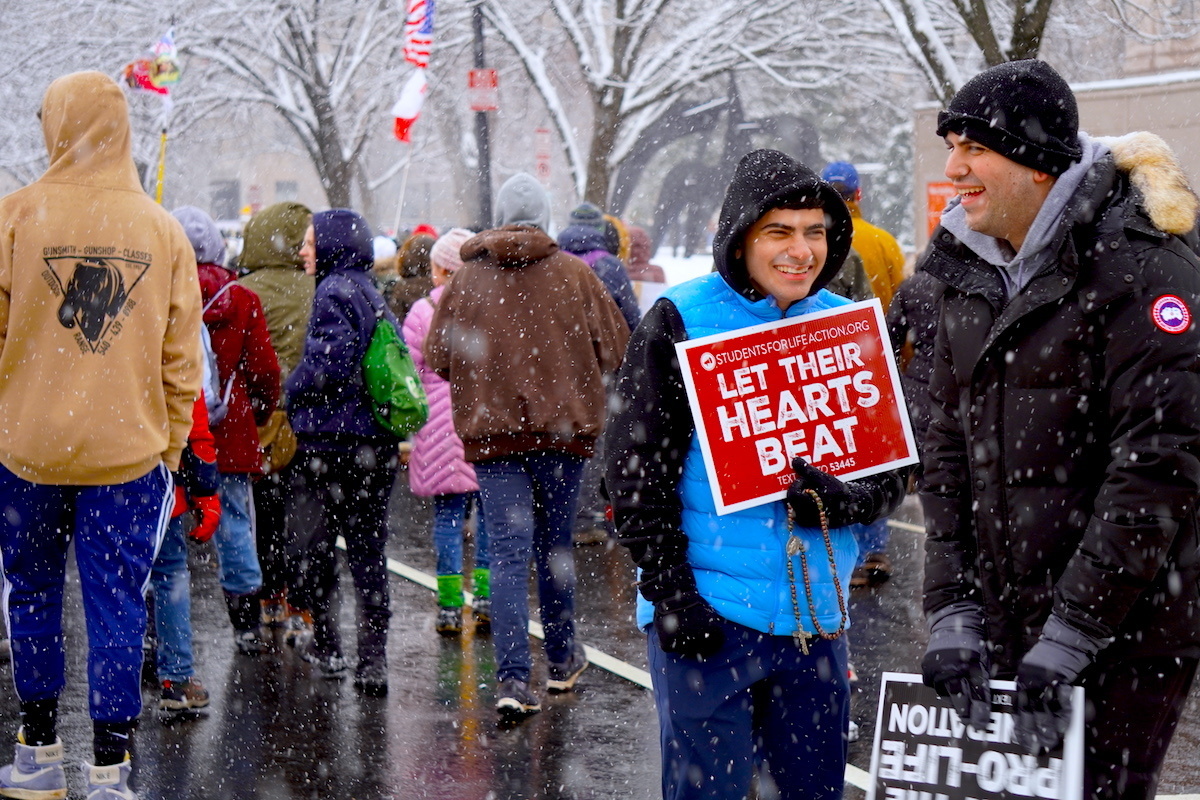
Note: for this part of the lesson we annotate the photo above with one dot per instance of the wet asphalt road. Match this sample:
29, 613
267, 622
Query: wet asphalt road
276, 730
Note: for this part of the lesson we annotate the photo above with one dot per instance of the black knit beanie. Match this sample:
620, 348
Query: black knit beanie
1023, 110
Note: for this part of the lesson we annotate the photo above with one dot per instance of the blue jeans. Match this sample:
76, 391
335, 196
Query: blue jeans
172, 588
760, 702
116, 531
529, 505
872, 538
234, 539
449, 511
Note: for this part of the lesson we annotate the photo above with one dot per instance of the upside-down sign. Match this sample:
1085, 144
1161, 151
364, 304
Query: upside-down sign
823, 387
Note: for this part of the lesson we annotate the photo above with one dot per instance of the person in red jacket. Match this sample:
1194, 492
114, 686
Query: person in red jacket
248, 379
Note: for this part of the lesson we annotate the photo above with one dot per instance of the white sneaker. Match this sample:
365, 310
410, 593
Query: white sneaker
108, 783
36, 772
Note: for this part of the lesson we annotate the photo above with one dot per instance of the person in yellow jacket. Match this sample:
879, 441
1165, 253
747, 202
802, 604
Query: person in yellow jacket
880, 252
883, 262
99, 369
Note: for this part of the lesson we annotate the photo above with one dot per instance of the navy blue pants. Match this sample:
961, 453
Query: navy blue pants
116, 530
344, 493
759, 705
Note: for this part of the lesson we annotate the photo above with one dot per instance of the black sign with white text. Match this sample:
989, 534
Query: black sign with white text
923, 751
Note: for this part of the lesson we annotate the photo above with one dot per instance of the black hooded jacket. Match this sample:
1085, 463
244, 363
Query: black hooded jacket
650, 427
329, 405
1062, 464
767, 179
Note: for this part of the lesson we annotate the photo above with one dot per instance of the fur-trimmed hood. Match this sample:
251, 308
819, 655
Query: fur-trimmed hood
1154, 171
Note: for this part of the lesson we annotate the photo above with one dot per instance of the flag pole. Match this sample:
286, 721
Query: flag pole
403, 191
162, 165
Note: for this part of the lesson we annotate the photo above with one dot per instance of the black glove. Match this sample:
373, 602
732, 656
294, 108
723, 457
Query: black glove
1044, 676
688, 625
955, 663
962, 676
1043, 708
845, 501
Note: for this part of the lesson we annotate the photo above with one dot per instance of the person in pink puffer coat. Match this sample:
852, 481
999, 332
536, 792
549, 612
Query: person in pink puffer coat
436, 467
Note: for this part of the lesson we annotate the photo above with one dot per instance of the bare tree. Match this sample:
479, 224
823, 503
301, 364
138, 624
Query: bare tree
940, 35
937, 34
33, 36
637, 59
329, 69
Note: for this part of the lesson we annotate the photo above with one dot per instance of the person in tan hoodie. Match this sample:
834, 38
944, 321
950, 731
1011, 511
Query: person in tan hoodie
99, 370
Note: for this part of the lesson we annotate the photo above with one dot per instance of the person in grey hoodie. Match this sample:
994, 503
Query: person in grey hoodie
523, 201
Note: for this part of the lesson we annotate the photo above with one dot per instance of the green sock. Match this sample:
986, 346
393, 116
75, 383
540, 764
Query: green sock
481, 582
450, 593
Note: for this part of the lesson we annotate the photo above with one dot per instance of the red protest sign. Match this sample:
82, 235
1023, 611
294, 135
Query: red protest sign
823, 387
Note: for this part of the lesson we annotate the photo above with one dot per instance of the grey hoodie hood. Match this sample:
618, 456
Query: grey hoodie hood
523, 201
203, 233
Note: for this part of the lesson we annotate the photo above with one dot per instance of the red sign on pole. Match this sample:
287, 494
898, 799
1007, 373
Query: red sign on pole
823, 387
937, 195
541, 154
483, 89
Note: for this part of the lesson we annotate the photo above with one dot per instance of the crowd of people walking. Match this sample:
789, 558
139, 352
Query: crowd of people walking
156, 388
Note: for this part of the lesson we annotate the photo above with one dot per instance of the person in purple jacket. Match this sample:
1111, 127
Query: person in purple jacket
436, 467
346, 461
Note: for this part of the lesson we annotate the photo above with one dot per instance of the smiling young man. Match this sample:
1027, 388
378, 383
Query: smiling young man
735, 693
1062, 465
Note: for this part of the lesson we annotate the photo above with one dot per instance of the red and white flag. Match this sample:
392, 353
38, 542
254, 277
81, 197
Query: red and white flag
408, 107
418, 33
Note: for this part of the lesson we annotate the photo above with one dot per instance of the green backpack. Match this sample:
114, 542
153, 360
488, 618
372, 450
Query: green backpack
397, 397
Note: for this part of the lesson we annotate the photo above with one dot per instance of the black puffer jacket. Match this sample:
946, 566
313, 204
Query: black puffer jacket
913, 317
1062, 466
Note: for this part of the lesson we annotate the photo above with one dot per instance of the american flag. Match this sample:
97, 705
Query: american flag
418, 33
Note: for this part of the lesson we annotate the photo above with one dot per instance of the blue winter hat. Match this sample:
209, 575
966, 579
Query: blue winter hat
344, 241
588, 214
842, 172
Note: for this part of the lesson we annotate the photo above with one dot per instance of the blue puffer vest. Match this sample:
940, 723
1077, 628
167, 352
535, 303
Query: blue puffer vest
739, 558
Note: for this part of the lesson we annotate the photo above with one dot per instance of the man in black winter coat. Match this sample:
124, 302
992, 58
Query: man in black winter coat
1062, 466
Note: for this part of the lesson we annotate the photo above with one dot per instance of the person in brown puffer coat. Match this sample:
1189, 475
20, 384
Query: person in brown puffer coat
525, 334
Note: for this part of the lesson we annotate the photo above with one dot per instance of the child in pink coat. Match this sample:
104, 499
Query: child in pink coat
436, 467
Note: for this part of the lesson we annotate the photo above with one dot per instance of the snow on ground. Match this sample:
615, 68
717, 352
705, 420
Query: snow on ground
679, 269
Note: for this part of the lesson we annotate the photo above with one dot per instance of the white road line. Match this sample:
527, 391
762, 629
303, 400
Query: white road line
906, 526
857, 777
854, 776
596, 657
